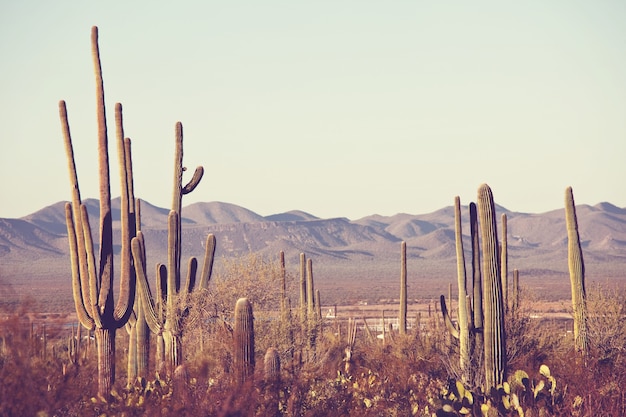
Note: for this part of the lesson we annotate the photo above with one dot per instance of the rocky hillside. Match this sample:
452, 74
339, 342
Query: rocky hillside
345, 252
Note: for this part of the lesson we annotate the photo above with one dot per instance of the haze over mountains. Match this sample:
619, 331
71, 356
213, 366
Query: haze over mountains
362, 254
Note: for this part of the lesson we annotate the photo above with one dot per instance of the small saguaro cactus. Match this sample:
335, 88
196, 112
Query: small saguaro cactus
271, 365
516, 292
311, 309
403, 288
303, 296
92, 278
243, 334
493, 329
576, 274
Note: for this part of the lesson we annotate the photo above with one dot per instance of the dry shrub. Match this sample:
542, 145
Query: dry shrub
403, 377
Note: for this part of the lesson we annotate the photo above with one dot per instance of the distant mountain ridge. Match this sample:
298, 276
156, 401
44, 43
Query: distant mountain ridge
363, 249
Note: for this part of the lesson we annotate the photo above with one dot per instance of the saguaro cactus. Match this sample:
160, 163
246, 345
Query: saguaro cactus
137, 329
464, 343
92, 282
516, 292
243, 333
312, 319
303, 292
576, 274
462, 331
477, 286
164, 314
504, 262
271, 365
403, 288
494, 335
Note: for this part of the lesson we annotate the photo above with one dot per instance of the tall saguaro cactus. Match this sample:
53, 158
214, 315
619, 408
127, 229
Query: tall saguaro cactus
576, 274
92, 278
464, 322
462, 330
179, 189
164, 314
403, 288
494, 335
504, 262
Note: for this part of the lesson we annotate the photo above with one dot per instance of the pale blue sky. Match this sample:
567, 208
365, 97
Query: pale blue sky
338, 108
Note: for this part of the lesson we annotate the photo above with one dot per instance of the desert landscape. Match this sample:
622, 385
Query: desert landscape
357, 275
115, 306
355, 261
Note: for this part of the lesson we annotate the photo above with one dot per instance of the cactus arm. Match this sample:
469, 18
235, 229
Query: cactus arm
477, 288
76, 202
195, 180
464, 344
454, 331
79, 299
105, 271
147, 303
192, 270
310, 290
161, 290
94, 288
207, 265
127, 284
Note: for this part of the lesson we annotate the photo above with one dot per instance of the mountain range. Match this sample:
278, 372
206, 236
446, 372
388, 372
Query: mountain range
358, 258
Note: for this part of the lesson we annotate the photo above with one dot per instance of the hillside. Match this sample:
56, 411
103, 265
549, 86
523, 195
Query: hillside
351, 257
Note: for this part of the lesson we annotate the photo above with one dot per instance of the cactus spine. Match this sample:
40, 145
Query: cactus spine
494, 335
403, 288
93, 283
243, 333
576, 274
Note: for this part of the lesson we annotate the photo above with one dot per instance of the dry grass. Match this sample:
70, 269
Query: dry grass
396, 375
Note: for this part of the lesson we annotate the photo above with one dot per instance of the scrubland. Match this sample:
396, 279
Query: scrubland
46, 371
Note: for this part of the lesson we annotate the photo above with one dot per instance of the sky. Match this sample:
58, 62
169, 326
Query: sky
337, 108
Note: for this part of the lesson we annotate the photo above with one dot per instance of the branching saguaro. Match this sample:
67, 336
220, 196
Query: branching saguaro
576, 274
92, 277
165, 311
